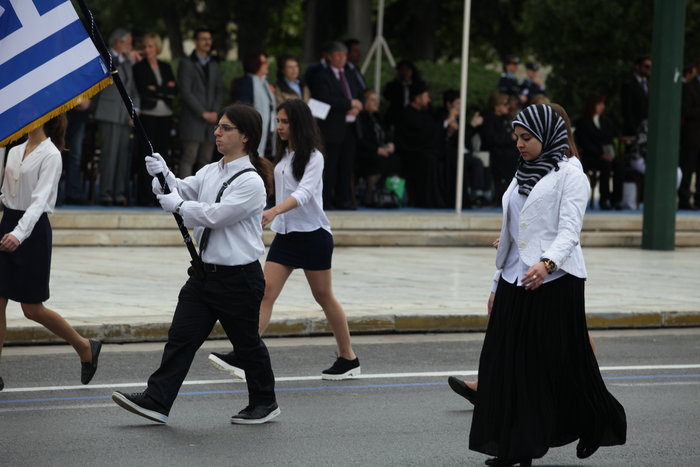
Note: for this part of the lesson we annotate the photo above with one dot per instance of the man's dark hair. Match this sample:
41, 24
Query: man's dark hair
350, 42
200, 30
416, 89
639, 61
449, 97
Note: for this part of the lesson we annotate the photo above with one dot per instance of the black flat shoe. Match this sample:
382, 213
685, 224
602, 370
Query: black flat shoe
461, 388
583, 452
88, 369
498, 462
2, 384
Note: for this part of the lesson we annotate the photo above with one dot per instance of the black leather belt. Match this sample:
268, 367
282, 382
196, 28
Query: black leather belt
208, 267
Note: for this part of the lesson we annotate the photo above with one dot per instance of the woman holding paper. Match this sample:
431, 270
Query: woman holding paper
304, 239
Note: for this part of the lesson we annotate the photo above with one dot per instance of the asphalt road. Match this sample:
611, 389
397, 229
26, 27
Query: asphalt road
400, 413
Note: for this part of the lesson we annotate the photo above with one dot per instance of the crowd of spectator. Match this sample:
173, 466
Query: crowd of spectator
363, 146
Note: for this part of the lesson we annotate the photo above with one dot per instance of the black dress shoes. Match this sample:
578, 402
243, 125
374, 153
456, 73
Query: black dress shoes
461, 388
583, 452
88, 369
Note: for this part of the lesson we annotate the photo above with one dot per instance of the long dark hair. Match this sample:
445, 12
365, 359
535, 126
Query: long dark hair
56, 130
303, 134
249, 122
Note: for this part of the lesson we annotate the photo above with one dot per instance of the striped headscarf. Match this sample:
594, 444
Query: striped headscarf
550, 130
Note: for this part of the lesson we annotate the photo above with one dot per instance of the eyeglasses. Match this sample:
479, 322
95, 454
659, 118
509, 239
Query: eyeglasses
224, 127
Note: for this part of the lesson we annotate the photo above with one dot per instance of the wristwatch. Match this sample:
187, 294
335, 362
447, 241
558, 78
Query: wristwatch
550, 265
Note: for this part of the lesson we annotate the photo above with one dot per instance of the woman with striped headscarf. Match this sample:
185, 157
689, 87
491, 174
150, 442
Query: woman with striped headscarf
539, 382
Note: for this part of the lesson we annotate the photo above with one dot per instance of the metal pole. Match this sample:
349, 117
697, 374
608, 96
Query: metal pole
463, 106
378, 52
658, 229
99, 42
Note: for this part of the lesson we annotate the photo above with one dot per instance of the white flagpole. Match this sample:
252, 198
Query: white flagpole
463, 106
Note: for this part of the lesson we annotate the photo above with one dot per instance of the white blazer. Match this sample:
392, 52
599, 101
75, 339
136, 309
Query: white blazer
550, 221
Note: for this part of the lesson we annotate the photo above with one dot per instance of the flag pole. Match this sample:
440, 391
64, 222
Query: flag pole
99, 42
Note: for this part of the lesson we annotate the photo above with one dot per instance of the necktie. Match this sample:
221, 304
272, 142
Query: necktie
344, 84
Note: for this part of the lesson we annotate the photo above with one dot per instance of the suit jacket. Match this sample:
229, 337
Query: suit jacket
550, 221
590, 139
199, 93
144, 77
110, 107
691, 114
635, 105
326, 88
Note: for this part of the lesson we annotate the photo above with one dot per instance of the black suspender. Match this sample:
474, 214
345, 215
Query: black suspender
207, 231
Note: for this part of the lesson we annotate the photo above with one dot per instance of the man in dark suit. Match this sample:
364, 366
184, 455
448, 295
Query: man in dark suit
337, 86
416, 132
354, 57
690, 141
635, 96
202, 94
115, 124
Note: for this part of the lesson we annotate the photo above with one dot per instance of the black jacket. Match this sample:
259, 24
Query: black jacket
144, 77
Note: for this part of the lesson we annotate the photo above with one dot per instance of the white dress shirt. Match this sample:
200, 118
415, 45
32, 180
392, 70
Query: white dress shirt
308, 215
31, 185
236, 235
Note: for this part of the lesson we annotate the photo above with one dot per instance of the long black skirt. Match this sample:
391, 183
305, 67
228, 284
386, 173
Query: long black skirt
24, 273
539, 381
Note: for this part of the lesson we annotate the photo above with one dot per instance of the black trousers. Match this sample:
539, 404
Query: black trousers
232, 297
689, 162
338, 171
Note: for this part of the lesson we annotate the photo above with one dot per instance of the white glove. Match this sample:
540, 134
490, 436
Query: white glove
170, 202
155, 164
169, 179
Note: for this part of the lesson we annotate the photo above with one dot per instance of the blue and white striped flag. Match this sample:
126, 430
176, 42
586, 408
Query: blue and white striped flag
48, 64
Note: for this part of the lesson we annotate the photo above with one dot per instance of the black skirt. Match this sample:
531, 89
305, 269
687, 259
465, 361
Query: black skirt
539, 381
24, 273
311, 251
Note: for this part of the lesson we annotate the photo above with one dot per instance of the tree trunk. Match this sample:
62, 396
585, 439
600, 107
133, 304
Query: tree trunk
310, 54
360, 22
172, 26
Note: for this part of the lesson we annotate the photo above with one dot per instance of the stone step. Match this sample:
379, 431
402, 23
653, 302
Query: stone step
356, 220
347, 238
153, 227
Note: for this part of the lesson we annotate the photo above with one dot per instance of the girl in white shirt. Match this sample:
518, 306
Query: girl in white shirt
29, 192
304, 239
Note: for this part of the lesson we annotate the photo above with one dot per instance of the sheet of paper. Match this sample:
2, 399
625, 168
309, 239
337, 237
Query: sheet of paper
319, 109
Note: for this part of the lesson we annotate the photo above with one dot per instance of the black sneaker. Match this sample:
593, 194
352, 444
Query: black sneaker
256, 415
88, 369
461, 388
227, 362
142, 404
342, 369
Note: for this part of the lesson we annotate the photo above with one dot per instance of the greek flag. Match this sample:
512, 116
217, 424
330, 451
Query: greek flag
48, 64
